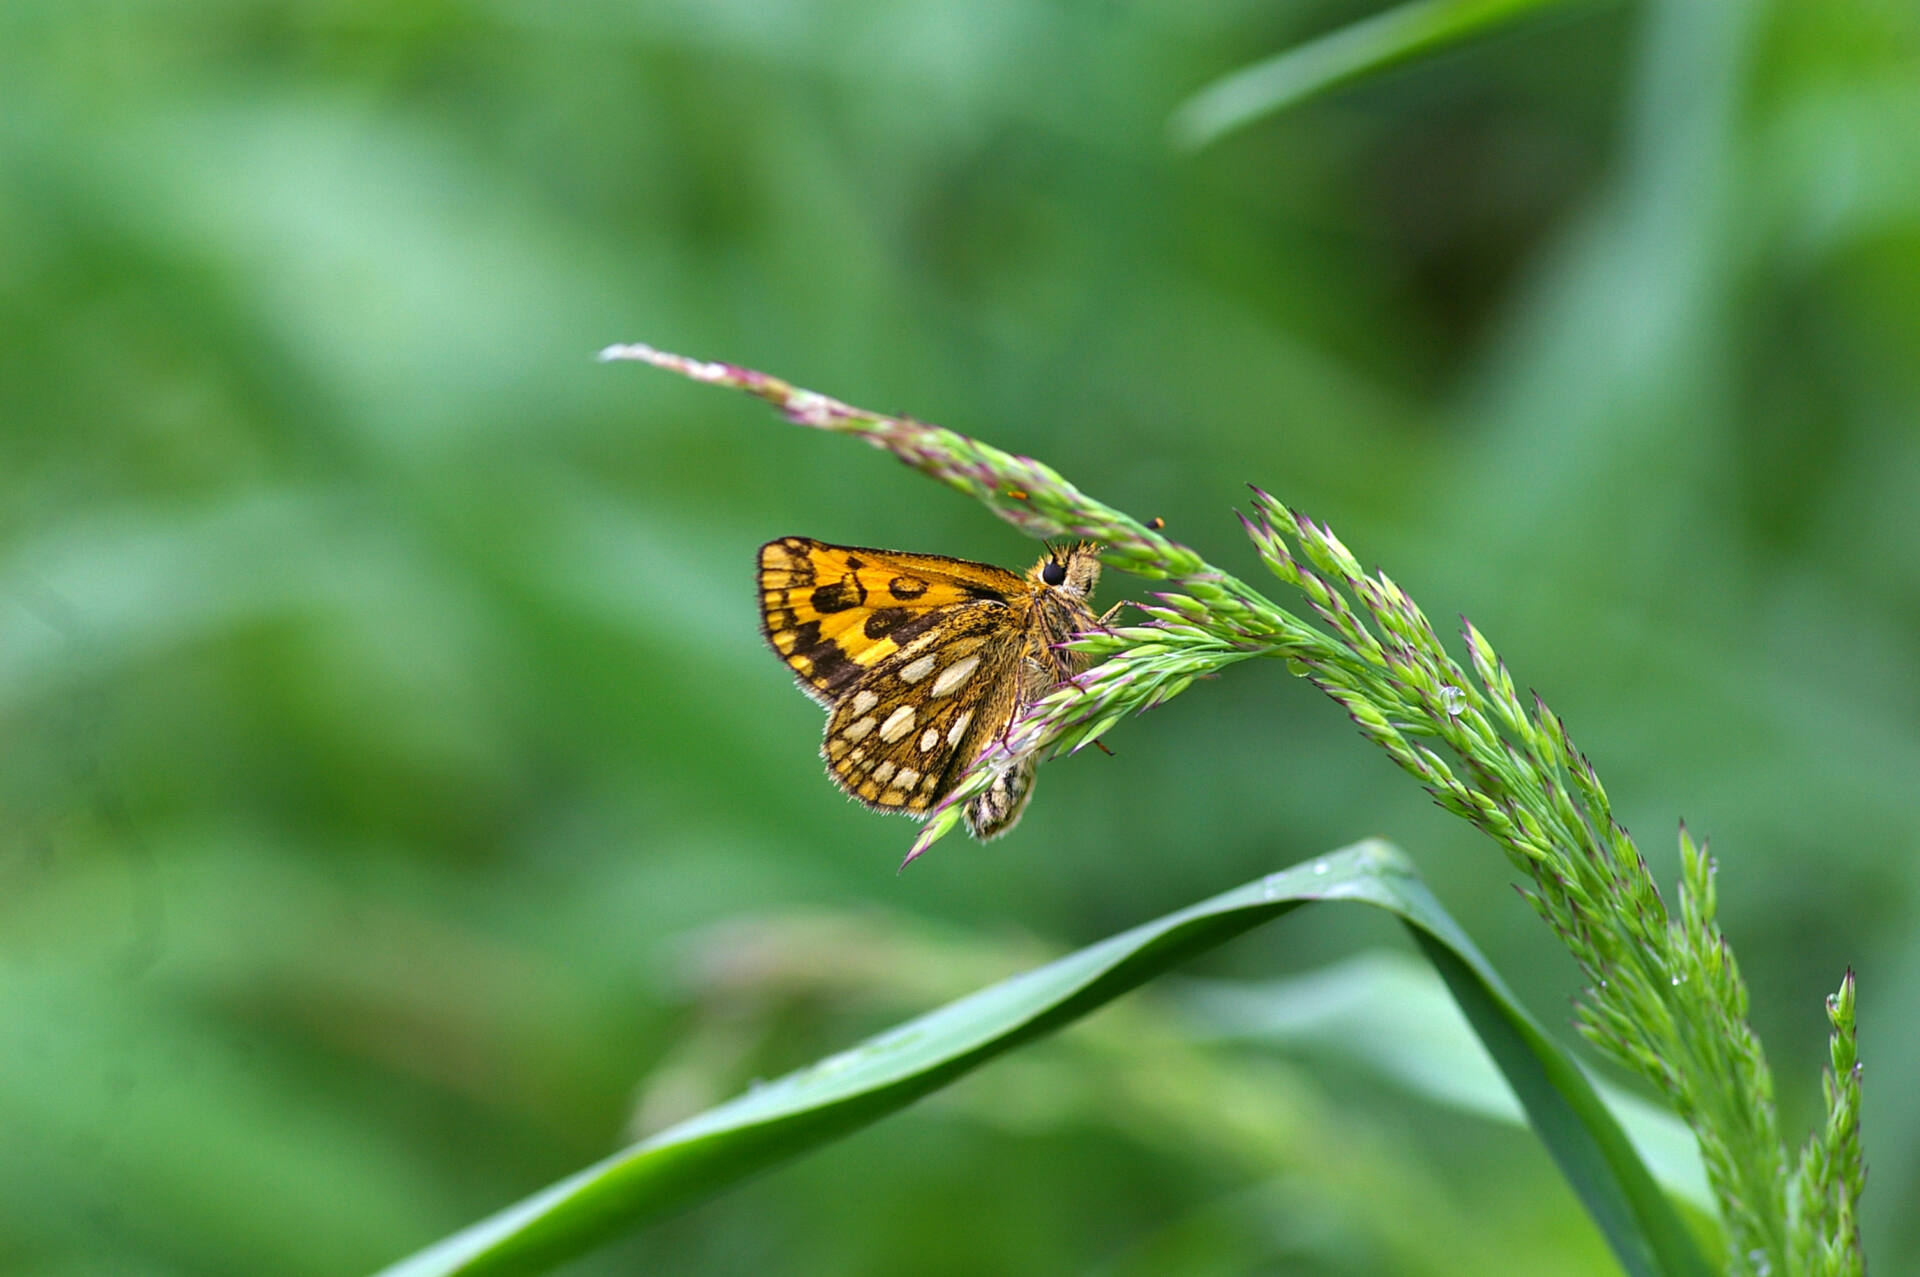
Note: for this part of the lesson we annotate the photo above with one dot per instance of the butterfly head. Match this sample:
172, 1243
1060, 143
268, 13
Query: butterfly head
1071, 569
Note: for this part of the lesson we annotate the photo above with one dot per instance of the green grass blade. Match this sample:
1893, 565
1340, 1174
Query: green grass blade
842, 1093
1339, 57
1390, 1014
1594, 1154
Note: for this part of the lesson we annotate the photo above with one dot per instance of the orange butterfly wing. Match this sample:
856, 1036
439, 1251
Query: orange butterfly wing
834, 612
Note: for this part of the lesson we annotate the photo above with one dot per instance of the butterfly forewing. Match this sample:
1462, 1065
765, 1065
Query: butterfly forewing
833, 612
922, 660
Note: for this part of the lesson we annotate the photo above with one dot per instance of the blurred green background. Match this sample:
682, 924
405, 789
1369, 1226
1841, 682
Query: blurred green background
398, 806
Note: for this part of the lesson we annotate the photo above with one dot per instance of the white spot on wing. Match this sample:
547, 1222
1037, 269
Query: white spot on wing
919, 669
884, 772
959, 727
955, 674
898, 723
859, 729
929, 738
864, 701
906, 778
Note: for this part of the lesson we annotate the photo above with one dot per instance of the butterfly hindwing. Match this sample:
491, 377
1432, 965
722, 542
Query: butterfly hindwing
907, 730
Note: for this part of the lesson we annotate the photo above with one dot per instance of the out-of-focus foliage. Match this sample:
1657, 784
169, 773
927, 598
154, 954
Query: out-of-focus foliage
1400, 33
380, 699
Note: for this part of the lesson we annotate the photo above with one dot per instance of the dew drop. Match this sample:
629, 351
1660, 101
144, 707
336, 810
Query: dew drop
1679, 978
837, 1063
1452, 699
1320, 868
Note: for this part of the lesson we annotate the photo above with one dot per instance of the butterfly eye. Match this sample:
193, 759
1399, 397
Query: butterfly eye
1053, 573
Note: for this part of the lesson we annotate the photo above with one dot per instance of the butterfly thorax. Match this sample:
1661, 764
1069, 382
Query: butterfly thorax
1055, 612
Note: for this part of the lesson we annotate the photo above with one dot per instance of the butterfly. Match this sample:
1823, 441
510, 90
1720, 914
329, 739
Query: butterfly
922, 660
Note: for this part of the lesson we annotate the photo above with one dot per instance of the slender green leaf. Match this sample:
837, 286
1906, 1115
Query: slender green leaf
1373, 44
1391, 1013
842, 1093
